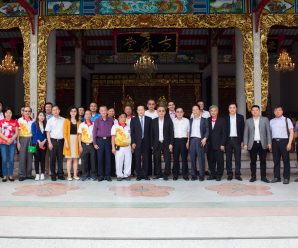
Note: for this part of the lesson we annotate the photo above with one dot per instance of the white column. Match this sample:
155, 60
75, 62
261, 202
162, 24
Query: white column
78, 76
33, 69
257, 64
51, 68
240, 96
214, 75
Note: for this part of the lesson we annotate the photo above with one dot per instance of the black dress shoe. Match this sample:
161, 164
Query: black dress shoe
61, 177
265, 180
22, 179
186, 178
158, 177
109, 179
253, 179
147, 178
119, 179
53, 178
211, 178
286, 181
165, 178
276, 180
175, 178
230, 177
30, 177
218, 178
4, 180
125, 178
201, 178
100, 179
239, 178
207, 173
138, 178
194, 178
296, 180
11, 179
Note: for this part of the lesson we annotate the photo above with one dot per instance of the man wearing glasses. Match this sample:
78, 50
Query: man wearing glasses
162, 137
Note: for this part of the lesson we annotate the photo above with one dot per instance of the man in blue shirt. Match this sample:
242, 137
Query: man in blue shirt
94, 113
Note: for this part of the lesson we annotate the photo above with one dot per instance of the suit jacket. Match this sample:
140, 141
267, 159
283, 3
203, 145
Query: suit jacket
136, 131
203, 127
239, 125
217, 135
168, 132
249, 132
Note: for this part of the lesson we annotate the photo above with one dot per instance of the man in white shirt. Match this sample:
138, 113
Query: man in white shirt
199, 132
151, 112
257, 139
234, 132
54, 129
162, 135
181, 138
282, 137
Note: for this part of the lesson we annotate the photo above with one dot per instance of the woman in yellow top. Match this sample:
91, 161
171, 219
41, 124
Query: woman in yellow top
71, 143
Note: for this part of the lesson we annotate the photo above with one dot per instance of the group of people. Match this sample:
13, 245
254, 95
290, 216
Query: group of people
97, 146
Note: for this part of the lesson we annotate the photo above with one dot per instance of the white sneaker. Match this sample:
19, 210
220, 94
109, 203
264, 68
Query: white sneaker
41, 176
69, 179
37, 177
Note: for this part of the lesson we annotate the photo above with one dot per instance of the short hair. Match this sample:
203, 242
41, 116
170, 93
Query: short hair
200, 100
93, 102
141, 106
233, 103
88, 110
151, 100
128, 106
56, 106
172, 102
161, 106
179, 108
255, 106
122, 113
213, 106
111, 108
81, 107
279, 106
48, 103
8, 109
102, 106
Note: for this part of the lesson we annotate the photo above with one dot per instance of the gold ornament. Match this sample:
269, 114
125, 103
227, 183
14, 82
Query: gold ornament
243, 22
284, 62
8, 65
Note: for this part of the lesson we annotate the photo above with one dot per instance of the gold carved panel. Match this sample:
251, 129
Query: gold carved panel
267, 21
23, 24
49, 23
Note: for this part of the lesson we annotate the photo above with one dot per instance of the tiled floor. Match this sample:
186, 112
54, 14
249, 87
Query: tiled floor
163, 213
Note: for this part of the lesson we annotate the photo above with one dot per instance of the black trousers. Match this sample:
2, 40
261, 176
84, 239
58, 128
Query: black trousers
279, 150
180, 149
164, 149
142, 155
233, 146
150, 167
256, 150
40, 159
215, 162
57, 154
113, 165
88, 155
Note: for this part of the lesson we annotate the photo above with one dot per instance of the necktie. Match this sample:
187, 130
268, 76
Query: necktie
142, 125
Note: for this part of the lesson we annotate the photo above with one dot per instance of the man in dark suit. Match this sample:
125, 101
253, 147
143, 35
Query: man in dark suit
198, 132
234, 132
216, 144
162, 140
140, 128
